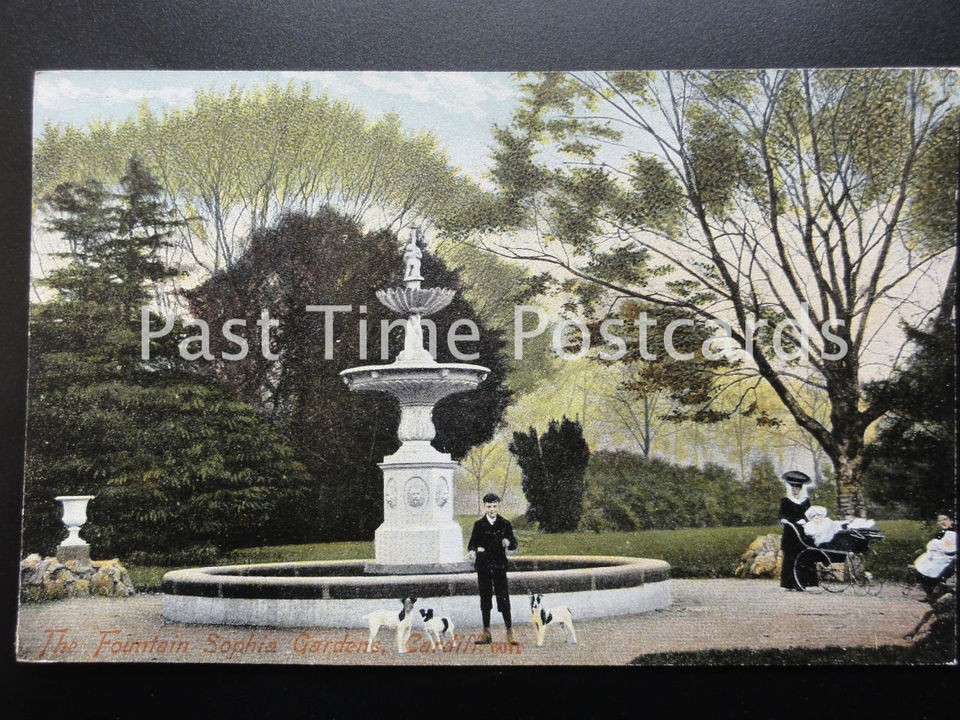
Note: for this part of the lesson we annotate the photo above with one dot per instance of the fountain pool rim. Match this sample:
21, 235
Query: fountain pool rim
336, 593
305, 580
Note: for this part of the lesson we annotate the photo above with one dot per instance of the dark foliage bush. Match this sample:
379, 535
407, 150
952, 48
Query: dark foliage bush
326, 259
553, 466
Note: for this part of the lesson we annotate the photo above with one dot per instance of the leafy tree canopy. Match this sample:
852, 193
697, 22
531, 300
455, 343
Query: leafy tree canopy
795, 198
233, 162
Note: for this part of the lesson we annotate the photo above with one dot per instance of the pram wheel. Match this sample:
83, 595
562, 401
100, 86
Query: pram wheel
814, 572
834, 576
862, 577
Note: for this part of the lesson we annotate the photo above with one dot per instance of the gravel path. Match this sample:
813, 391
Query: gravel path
705, 614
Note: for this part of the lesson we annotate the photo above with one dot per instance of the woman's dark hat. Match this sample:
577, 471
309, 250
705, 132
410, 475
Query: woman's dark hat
795, 477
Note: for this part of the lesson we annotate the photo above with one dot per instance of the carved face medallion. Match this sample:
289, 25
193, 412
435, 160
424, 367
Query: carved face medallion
443, 492
416, 492
390, 493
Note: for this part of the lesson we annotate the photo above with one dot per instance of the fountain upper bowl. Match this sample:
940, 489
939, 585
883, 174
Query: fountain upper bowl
421, 383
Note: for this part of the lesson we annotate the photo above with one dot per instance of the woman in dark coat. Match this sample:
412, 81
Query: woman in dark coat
792, 509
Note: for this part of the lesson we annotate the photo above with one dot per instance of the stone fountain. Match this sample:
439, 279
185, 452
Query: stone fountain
418, 534
419, 549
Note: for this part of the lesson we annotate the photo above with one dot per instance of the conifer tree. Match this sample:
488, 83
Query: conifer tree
911, 467
180, 470
553, 468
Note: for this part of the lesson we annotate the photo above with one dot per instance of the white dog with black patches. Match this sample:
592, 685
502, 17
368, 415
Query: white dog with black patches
545, 618
436, 626
401, 621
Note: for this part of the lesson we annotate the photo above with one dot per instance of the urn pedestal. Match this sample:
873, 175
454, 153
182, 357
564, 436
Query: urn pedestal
418, 534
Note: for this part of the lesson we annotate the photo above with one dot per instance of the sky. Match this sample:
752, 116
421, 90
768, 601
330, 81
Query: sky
460, 109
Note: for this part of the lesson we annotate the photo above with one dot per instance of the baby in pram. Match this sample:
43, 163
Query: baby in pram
840, 535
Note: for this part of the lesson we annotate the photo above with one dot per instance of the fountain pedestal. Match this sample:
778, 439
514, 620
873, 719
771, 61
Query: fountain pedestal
418, 528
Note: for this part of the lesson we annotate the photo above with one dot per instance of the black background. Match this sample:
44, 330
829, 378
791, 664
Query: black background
416, 35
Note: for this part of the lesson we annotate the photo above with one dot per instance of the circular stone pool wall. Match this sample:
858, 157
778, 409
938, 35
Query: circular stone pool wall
339, 594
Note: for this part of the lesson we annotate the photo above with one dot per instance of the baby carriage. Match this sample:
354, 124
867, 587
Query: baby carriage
845, 561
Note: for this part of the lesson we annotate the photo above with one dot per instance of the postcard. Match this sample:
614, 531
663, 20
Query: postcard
595, 368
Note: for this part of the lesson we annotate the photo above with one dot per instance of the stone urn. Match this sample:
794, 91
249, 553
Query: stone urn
74, 516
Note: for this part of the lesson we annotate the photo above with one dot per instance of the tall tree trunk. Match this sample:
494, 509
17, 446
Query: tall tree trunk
848, 422
948, 301
647, 439
850, 498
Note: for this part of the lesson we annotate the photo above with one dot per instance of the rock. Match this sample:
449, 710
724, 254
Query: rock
48, 579
78, 588
31, 573
111, 579
79, 568
34, 573
61, 572
762, 559
53, 588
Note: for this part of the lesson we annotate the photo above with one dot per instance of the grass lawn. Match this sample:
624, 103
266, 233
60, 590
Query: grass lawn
692, 552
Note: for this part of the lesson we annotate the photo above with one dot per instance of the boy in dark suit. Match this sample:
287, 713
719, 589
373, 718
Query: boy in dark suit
492, 536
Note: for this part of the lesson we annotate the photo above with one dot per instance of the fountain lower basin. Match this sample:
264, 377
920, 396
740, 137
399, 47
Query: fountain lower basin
339, 593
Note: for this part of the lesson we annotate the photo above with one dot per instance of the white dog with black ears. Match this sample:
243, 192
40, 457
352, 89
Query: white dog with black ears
545, 618
436, 626
401, 621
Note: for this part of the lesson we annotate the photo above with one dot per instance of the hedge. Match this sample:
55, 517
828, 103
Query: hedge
691, 552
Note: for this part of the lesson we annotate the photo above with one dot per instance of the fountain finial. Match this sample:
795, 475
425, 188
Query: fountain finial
414, 302
411, 260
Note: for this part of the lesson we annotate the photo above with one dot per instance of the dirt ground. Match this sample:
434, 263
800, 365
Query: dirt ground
705, 614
